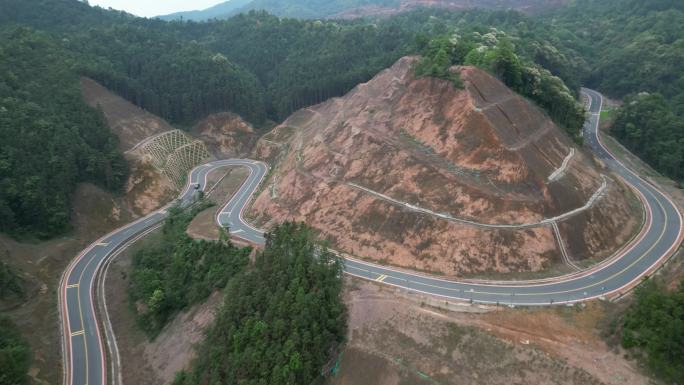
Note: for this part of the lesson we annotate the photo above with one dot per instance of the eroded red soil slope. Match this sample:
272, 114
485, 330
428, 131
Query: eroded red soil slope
482, 154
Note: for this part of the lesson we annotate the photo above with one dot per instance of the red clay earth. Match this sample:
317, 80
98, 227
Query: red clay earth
482, 153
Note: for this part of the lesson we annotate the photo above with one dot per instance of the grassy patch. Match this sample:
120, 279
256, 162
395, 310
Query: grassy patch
607, 117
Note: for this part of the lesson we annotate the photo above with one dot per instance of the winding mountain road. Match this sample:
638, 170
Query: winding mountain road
84, 351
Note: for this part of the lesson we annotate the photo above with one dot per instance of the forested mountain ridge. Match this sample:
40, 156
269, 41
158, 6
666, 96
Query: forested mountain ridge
218, 11
322, 9
256, 65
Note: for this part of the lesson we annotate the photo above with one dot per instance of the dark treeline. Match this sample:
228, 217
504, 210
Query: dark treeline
654, 329
647, 125
11, 285
180, 81
15, 355
301, 63
143, 60
177, 271
49, 138
282, 320
159, 65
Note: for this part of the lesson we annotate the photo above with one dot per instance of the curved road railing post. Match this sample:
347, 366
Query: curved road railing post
84, 358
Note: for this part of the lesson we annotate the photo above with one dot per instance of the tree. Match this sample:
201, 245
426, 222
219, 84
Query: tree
654, 325
178, 271
15, 356
647, 125
281, 321
504, 63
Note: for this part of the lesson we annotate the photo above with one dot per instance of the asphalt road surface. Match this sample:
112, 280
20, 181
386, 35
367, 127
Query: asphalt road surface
85, 362
84, 348
663, 236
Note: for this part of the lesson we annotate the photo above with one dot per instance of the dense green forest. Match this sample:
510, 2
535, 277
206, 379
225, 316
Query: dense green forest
634, 46
176, 270
282, 320
11, 285
654, 329
495, 53
297, 62
301, 63
49, 138
15, 355
647, 125
180, 81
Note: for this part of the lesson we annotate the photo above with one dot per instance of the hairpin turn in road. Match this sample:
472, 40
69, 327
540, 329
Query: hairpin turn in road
84, 349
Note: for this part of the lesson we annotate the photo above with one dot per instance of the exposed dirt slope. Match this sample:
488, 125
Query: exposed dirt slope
226, 135
130, 123
482, 154
146, 188
395, 338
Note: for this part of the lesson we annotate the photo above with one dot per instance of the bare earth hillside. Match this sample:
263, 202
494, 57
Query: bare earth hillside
226, 135
131, 124
418, 173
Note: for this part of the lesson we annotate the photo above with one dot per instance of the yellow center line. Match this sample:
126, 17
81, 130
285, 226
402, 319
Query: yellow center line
78, 333
642, 256
72, 286
382, 277
80, 312
103, 244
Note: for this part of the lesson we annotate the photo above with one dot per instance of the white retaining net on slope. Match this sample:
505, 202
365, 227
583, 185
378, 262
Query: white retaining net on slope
175, 153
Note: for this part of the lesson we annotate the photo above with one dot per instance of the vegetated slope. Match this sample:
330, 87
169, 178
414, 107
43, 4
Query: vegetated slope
177, 80
49, 138
301, 63
482, 154
129, 123
654, 328
282, 321
146, 188
15, 355
179, 271
144, 61
633, 47
320, 9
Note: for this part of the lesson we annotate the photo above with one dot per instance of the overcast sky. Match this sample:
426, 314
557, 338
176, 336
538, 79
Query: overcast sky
155, 8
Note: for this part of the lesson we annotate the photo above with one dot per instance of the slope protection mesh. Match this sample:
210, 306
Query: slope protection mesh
175, 153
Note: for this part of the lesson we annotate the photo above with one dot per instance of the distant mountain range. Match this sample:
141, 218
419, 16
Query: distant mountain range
322, 9
219, 11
